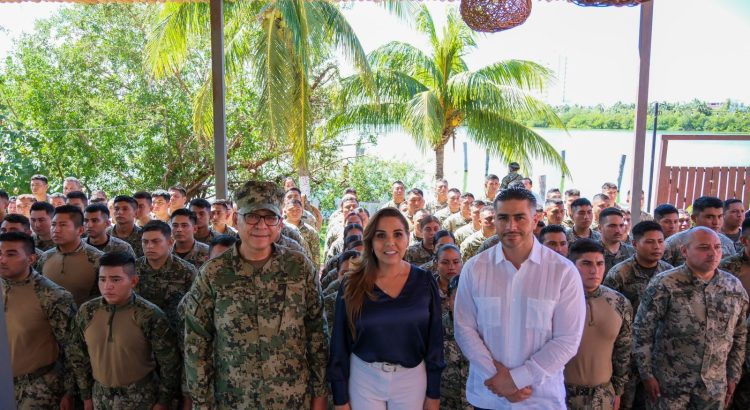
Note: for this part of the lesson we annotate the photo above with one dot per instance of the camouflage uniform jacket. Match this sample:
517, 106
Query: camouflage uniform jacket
335, 249
413, 240
470, 246
291, 231
456, 371
733, 264
156, 329
115, 245
572, 237
92, 256
434, 206
631, 279
688, 332
311, 242
430, 266
197, 256
611, 259
42, 244
488, 243
673, 255
455, 221
256, 338
392, 204
463, 233
509, 179
567, 222
134, 239
165, 286
290, 243
623, 343
417, 254
59, 307
208, 238
443, 214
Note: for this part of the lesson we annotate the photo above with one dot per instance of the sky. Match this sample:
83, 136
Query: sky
700, 48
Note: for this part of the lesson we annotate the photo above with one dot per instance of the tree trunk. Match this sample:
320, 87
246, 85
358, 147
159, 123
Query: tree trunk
439, 160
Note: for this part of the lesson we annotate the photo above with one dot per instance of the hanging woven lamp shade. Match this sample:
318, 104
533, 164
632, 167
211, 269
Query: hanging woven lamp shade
605, 3
494, 15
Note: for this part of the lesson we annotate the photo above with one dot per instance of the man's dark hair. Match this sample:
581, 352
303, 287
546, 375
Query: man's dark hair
129, 199
609, 212
479, 203
584, 245
663, 210
349, 227
746, 227
700, 204
200, 203
601, 197
43, 206
28, 242
641, 228
609, 185
222, 240
39, 177
528, 179
551, 229
466, 195
184, 212
553, 191
491, 177
572, 192
555, 202
295, 189
456, 191
222, 202
4, 195
730, 202
579, 203
18, 219
351, 238
156, 225
78, 195
161, 193
97, 208
443, 233
397, 182
350, 191
114, 259
345, 256
416, 191
75, 213
518, 194
142, 195
179, 188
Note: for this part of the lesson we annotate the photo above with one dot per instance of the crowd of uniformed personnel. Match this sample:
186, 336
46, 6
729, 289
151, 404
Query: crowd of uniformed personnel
153, 301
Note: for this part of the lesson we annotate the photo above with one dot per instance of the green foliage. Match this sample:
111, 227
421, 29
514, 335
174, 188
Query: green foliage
696, 116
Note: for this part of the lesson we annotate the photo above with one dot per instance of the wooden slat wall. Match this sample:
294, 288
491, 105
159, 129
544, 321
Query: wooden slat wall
680, 186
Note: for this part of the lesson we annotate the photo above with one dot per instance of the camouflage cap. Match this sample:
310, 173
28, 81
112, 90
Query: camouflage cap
514, 166
255, 195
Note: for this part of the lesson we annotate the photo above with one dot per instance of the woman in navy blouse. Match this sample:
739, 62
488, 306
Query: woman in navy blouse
386, 346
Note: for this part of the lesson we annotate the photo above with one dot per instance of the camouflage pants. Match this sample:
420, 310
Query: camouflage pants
141, 395
741, 399
39, 390
601, 397
698, 399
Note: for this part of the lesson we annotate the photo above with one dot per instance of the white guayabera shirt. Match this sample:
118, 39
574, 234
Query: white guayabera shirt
530, 320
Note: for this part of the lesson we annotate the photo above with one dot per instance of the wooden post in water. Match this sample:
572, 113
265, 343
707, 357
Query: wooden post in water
619, 178
543, 187
466, 166
562, 178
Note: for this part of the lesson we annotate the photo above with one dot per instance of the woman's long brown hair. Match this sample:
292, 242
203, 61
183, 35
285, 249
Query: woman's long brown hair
360, 282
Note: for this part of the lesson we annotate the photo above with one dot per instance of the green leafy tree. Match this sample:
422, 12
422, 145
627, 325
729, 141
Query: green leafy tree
431, 96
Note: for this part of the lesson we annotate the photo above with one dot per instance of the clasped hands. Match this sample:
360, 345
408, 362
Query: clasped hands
502, 385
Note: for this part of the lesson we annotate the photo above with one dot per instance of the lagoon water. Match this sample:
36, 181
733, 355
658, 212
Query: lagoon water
593, 157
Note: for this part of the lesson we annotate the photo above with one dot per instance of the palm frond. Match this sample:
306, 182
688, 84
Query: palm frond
424, 120
167, 46
518, 73
404, 57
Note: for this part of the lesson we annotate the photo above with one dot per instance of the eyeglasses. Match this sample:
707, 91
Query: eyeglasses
253, 219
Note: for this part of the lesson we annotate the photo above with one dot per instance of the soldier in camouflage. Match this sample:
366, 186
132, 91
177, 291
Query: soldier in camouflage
689, 335
185, 246
40, 216
512, 176
293, 217
338, 246
441, 197
95, 223
613, 234
456, 371
255, 330
424, 251
463, 216
596, 377
470, 246
398, 195
707, 212
38, 314
452, 207
124, 351
570, 196
491, 188
474, 225
204, 232
583, 215
125, 228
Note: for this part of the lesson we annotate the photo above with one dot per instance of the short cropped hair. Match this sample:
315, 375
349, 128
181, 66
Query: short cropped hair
641, 228
200, 203
416, 191
156, 225
4, 195
663, 210
179, 188
467, 195
345, 256
18, 219
519, 194
142, 195
572, 192
161, 193
39, 177
349, 227
124, 259
551, 229
579, 203
184, 212
43, 206
129, 199
75, 213
222, 202
78, 195
704, 202
491, 177
222, 240
609, 212
99, 207
455, 191
730, 202
28, 242
609, 185
584, 245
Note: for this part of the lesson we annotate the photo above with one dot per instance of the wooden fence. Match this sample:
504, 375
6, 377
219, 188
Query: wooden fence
681, 185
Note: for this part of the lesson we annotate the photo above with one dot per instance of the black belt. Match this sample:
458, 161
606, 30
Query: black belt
36, 373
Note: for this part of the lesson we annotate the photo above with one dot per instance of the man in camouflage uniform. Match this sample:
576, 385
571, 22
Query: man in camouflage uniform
491, 187
475, 225
163, 279
424, 250
38, 314
40, 216
124, 351
456, 371
668, 217
185, 246
596, 377
72, 262
470, 246
613, 234
125, 228
398, 193
554, 212
689, 333
553, 237
707, 212
583, 215
255, 332
202, 209
220, 212
95, 223
441, 197
293, 217
570, 196
461, 218
338, 246
452, 206
734, 213
512, 176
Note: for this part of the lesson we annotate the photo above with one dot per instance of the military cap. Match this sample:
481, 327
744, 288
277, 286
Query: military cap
255, 195
514, 166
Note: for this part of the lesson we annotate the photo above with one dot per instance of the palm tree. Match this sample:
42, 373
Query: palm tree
281, 44
431, 96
